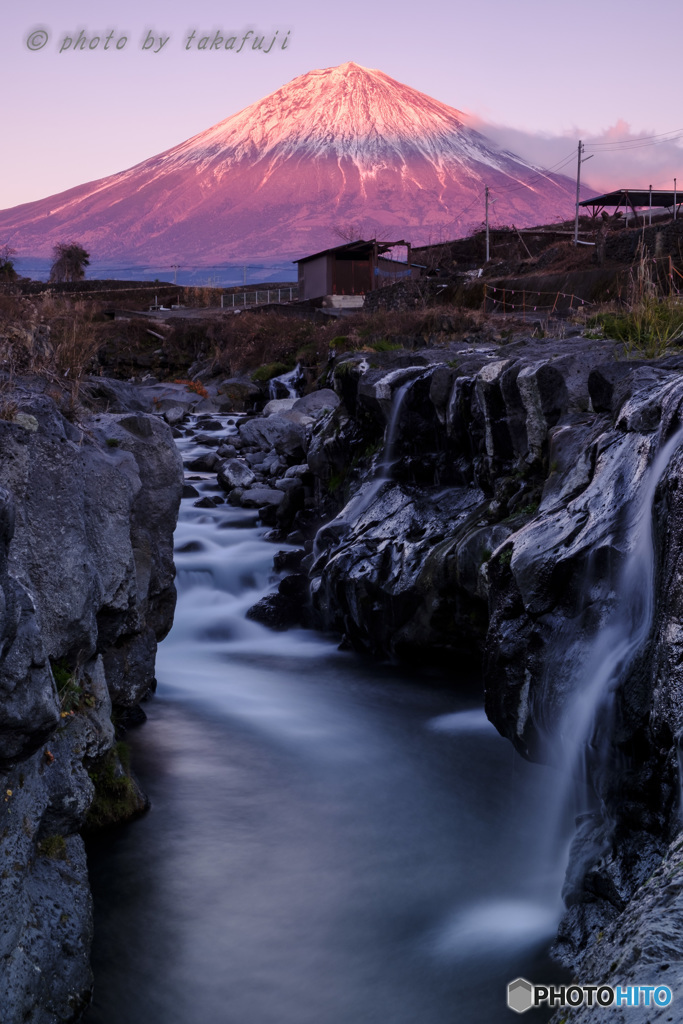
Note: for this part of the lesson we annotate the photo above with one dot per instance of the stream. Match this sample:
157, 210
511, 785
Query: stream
330, 840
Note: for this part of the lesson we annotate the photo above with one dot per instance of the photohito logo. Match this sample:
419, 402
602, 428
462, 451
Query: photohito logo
522, 995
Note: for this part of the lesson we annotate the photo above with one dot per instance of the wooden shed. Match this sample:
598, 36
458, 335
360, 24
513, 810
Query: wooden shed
352, 269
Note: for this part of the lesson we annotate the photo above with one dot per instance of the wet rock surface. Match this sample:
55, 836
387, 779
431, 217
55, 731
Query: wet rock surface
641, 946
87, 512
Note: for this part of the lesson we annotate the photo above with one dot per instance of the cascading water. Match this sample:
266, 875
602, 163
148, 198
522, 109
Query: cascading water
367, 494
363, 499
287, 383
585, 731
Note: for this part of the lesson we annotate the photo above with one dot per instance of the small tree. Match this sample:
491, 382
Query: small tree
354, 231
7, 271
70, 261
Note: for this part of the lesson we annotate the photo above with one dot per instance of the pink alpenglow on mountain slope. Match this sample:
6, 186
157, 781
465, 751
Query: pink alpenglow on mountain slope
341, 146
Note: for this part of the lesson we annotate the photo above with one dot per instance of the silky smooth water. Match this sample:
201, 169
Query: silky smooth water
586, 727
330, 840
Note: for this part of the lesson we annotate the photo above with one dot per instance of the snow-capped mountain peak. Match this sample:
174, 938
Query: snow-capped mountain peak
333, 146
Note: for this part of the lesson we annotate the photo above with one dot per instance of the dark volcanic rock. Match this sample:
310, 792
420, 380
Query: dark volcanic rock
274, 433
203, 463
233, 473
87, 514
288, 560
287, 608
642, 945
496, 522
259, 497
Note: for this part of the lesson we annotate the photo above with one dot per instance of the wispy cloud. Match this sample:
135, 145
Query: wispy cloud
622, 156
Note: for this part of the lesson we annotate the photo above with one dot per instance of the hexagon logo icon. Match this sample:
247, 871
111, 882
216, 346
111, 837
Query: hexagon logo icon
520, 995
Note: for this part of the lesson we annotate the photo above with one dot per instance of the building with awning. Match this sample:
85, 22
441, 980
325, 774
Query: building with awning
634, 198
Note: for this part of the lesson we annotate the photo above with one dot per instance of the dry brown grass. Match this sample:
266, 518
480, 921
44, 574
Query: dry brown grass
648, 324
66, 338
76, 341
49, 334
240, 344
433, 323
236, 344
8, 407
52, 337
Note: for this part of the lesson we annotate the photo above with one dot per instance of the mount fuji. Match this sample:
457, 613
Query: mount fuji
285, 176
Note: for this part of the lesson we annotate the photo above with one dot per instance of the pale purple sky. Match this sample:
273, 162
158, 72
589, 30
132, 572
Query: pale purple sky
535, 75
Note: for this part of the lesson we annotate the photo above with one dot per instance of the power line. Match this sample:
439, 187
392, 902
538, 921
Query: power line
628, 149
542, 173
677, 132
468, 208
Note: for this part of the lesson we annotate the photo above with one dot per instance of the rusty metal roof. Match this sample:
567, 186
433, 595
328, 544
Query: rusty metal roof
359, 248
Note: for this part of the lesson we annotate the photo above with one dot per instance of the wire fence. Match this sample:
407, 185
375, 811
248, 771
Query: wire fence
667, 281
522, 302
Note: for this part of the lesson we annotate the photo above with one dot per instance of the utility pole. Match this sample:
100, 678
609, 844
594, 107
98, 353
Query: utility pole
675, 199
487, 193
487, 223
650, 214
244, 268
578, 189
174, 267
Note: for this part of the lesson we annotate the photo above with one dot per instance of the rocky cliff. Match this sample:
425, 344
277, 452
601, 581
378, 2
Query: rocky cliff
517, 505
87, 512
504, 523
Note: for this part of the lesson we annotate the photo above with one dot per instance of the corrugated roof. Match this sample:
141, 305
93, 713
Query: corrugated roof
358, 248
636, 197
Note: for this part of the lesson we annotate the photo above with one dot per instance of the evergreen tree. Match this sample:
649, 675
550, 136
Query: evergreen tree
70, 261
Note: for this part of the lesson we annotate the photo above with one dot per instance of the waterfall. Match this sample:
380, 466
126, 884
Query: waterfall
584, 738
532, 909
586, 722
333, 534
367, 494
288, 383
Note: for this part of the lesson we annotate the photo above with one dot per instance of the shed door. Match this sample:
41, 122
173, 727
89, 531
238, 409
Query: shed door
351, 277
